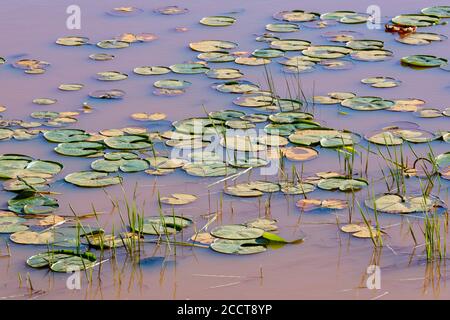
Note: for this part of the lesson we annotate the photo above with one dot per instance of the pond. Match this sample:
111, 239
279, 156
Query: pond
227, 150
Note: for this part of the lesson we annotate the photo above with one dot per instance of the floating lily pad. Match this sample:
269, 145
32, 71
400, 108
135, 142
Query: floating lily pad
296, 188
30, 202
101, 56
238, 86
128, 142
12, 224
268, 53
282, 27
365, 44
236, 232
416, 20
218, 21
212, 45
423, 61
393, 203
172, 10
70, 87
268, 225
92, 179
72, 41
111, 76
208, 169
79, 149
113, 44
438, 11
216, 57
371, 55
307, 205
189, 68
151, 70
66, 135
161, 225
239, 247
381, 82
420, 38
367, 103
296, 16
224, 73
342, 184
252, 189
178, 198
44, 101
300, 153
326, 52
172, 84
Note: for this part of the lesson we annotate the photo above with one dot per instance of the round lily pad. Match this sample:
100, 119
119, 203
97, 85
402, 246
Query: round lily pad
393, 203
282, 27
172, 84
416, 20
178, 199
367, 103
217, 21
130, 142
151, 70
224, 73
189, 68
343, 184
423, 61
212, 45
66, 135
208, 169
236, 232
438, 11
239, 247
79, 149
12, 224
251, 189
92, 179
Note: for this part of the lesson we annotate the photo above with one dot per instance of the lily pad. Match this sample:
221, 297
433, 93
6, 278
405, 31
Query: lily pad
79, 149
239, 247
423, 61
92, 179
151, 70
393, 203
218, 21
130, 142
178, 199
251, 189
172, 84
236, 232
416, 20
212, 45
367, 103
342, 184
189, 68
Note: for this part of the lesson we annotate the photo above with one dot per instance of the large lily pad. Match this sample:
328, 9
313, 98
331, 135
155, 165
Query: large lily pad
342, 184
367, 103
79, 149
92, 179
237, 232
239, 247
416, 20
130, 142
423, 61
393, 203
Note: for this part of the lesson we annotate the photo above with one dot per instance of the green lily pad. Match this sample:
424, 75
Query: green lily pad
208, 169
12, 224
238, 87
282, 27
111, 76
416, 20
216, 57
343, 184
172, 84
438, 11
134, 165
239, 247
371, 55
107, 94
326, 52
128, 142
423, 61
268, 53
421, 38
365, 44
393, 203
189, 68
112, 44
79, 149
212, 45
92, 179
236, 232
310, 137
218, 21
70, 87
71, 263
46, 259
66, 135
296, 188
224, 73
367, 103
6, 134
161, 225
252, 189
296, 16
29, 201
178, 199
290, 44
151, 70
